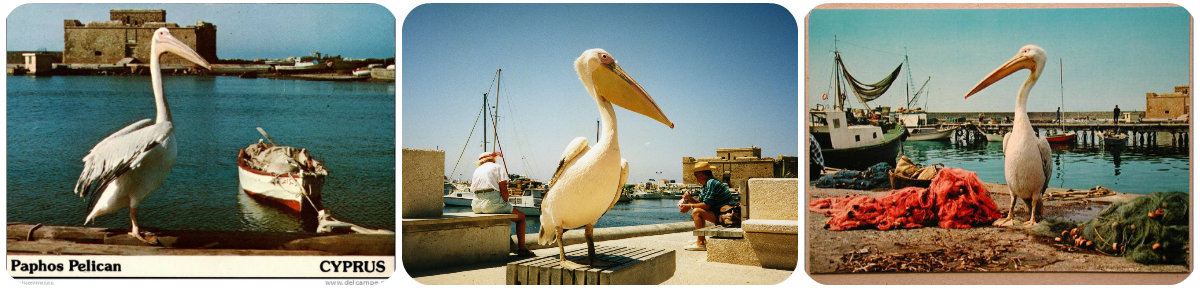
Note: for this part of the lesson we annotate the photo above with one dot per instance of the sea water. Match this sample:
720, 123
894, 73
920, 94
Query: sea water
52, 122
1075, 166
632, 213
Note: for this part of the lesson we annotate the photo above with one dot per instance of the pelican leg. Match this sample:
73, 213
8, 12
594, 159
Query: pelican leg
592, 249
562, 255
1035, 209
1008, 220
133, 221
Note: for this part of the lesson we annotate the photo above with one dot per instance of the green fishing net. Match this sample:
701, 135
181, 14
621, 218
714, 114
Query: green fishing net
1133, 230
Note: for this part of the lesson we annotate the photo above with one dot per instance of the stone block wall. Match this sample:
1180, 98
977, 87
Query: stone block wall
421, 173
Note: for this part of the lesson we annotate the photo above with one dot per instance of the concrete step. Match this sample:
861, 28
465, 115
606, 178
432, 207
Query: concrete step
775, 242
454, 239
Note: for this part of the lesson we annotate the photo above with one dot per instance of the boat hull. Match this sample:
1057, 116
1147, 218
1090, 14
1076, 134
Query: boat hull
939, 135
1068, 137
294, 193
860, 158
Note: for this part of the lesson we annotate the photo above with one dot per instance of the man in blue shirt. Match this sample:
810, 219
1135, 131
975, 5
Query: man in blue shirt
713, 197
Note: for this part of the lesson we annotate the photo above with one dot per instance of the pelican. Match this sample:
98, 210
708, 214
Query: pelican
124, 168
1027, 163
588, 180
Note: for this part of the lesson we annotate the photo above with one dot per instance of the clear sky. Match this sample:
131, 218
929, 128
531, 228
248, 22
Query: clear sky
244, 31
1111, 56
726, 75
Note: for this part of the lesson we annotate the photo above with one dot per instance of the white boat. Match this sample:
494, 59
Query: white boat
529, 202
461, 198
283, 176
300, 66
361, 72
928, 134
994, 137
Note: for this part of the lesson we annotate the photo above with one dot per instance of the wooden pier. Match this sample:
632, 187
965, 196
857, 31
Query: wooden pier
25, 238
1148, 136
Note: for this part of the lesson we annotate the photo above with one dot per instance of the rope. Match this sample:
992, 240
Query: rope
460, 152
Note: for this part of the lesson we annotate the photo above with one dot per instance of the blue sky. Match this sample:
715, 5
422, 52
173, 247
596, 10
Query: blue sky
726, 75
1111, 56
244, 31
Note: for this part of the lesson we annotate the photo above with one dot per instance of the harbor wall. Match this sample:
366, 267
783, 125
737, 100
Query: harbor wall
1037, 116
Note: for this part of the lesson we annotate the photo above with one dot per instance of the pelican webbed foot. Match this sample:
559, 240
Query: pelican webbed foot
1004, 222
571, 265
594, 262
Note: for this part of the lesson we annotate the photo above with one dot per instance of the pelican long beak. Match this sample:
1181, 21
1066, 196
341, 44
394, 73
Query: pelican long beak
1013, 65
614, 85
170, 44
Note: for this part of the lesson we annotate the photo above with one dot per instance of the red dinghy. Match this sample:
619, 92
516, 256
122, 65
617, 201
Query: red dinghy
1068, 137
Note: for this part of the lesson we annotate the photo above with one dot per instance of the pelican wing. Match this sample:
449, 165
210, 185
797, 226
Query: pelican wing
118, 153
1047, 164
620, 184
576, 148
1004, 144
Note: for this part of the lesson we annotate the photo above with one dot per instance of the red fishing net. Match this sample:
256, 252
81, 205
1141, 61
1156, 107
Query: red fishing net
955, 199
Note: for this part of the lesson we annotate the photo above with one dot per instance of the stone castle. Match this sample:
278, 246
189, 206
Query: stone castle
735, 166
125, 38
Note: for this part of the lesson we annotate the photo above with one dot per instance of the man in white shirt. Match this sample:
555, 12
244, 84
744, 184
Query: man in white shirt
490, 185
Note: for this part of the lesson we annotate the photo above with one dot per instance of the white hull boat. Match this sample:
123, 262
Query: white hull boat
929, 134
283, 176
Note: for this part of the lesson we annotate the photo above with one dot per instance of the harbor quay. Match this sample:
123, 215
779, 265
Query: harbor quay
763, 250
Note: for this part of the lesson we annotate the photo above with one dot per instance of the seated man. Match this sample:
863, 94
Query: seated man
713, 198
491, 195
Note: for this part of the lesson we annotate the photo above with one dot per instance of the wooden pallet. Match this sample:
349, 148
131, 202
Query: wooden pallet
633, 266
718, 232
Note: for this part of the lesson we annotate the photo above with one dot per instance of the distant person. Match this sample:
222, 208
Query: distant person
491, 195
1058, 115
713, 197
1116, 113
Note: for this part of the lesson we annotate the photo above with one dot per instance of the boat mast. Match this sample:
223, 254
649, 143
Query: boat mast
907, 89
1061, 102
486, 115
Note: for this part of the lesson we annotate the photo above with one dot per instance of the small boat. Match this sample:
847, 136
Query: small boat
626, 195
285, 176
928, 134
306, 66
1113, 138
994, 137
461, 198
361, 72
1068, 137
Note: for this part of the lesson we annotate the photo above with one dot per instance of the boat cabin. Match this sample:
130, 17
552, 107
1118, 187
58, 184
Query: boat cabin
831, 129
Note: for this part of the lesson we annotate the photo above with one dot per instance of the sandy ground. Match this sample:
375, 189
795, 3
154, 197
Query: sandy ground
984, 249
691, 267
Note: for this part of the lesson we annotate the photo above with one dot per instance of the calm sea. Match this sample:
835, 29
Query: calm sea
636, 212
54, 121
1075, 166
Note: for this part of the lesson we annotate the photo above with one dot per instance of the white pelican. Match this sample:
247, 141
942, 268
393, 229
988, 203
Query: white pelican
128, 165
1027, 163
588, 181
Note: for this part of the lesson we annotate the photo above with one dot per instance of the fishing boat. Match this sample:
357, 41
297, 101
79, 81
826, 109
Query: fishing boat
848, 145
284, 176
300, 66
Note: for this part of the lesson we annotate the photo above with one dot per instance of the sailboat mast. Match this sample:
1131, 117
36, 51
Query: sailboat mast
485, 117
1061, 101
908, 88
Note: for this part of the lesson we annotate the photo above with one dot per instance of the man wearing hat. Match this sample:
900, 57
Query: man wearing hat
713, 197
490, 185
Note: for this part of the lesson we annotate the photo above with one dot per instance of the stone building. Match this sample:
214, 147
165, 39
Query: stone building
735, 166
125, 38
1169, 105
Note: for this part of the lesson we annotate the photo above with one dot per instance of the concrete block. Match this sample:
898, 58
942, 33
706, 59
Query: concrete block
421, 172
775, 242
454, 239
632, 266
774, 198
732, 251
